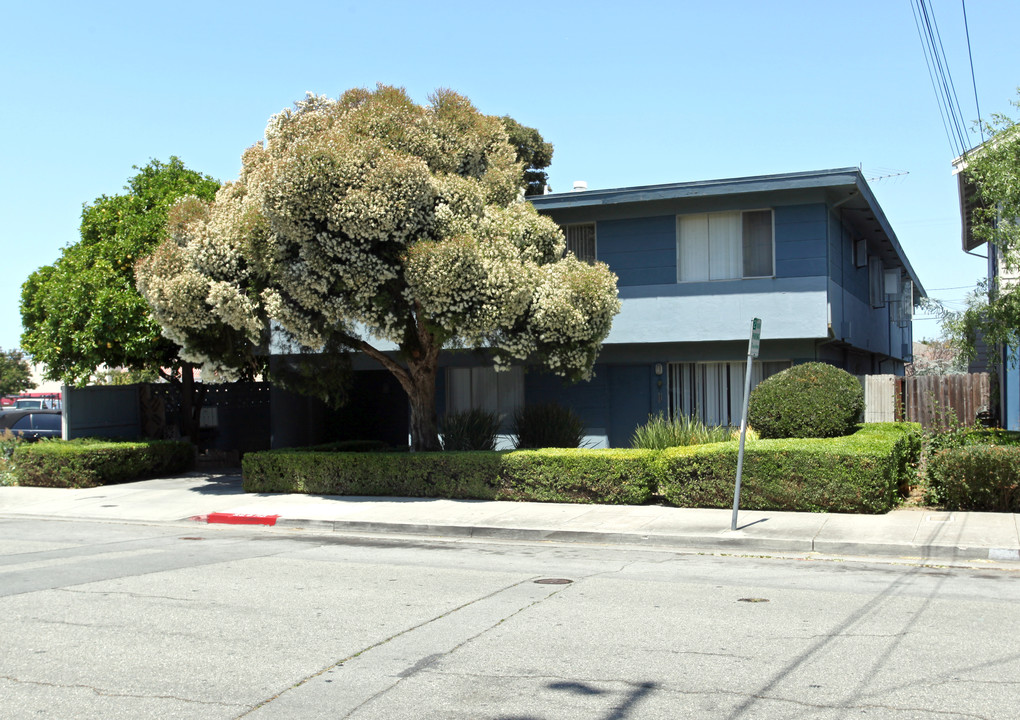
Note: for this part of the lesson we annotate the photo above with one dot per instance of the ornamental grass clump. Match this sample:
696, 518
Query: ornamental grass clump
662, 432
547, 425
473, 429
813, 400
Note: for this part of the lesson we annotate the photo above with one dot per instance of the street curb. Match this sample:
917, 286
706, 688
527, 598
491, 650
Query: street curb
722, 541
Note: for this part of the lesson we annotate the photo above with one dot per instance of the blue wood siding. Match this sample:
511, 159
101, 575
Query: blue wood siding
614, 402
800, 240
641, 251
589, 399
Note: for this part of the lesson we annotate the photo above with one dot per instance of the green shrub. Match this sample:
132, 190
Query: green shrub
449, 475
865, 472
975, 477
91, 463
8, 442
617, 477
662, 432
813, 400
602, 476
547, 425
473, 429
349, 446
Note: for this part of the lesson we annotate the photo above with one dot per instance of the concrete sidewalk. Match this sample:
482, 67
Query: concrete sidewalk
201, 497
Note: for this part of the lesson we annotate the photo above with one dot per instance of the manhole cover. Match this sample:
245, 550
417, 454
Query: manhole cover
752, 600
553, 581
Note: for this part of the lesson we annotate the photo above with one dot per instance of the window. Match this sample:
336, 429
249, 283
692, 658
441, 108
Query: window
581, 241
876, 281
905, 312
714, 391
861, 253
485, 389
724, 246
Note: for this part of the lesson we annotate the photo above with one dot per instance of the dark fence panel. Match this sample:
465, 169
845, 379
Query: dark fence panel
939, 401
235, 416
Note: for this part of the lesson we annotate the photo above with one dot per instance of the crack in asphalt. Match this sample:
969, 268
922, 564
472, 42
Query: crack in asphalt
113, 693
373, 646
433, 659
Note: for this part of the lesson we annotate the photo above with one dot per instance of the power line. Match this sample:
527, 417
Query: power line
973, 82
940, 75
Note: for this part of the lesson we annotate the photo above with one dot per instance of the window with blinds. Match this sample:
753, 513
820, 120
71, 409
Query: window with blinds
714, 391
724, 246
485, 389
581, 241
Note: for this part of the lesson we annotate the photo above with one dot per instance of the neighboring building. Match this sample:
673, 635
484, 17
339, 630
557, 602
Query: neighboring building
811, 254
990, 359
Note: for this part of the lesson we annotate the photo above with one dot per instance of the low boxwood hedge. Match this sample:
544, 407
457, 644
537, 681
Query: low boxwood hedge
864, 472
450, 475
975, 477
553, 475
91, 463
612, 477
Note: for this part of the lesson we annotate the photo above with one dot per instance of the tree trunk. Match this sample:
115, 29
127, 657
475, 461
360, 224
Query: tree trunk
422, 398
192, 398
418, 380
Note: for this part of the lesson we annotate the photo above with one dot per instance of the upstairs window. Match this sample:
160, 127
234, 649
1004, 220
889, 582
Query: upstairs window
876, 281
724, 246
581, 241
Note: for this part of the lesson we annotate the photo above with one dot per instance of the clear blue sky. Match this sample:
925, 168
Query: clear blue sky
629, 94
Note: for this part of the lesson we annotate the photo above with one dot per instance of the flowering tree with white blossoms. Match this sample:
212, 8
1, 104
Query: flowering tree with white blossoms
371, 218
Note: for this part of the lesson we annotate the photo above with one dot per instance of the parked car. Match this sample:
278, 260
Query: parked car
32, 424
28, 404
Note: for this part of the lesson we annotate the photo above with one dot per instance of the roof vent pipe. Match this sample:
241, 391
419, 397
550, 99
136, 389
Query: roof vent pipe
580, 185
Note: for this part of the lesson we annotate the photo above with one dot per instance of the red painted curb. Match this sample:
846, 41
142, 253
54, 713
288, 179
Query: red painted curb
232, 519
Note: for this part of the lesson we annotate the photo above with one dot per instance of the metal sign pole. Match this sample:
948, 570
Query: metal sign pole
752, 352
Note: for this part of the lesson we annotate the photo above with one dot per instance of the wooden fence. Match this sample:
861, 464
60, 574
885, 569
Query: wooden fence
932, 400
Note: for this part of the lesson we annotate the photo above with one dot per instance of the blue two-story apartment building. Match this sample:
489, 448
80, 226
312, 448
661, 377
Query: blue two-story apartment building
811, 254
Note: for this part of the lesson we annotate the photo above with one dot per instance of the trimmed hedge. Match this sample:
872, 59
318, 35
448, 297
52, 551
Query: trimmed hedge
449, 475
91, 463
811, 400
975, 477
865, 472
612, 477
553, 475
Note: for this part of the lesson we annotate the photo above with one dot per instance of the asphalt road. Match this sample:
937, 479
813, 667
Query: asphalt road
107, 620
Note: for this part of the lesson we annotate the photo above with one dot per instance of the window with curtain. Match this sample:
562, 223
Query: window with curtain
714, 391
876, 281
724, 246
486, 389
581, 241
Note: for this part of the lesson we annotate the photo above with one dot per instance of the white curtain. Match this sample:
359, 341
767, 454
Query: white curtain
693, 253
714, 392
724, 240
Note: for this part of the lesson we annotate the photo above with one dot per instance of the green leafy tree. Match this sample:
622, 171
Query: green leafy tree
83, 313
370, 221
15, 372
533, 151
993, 311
